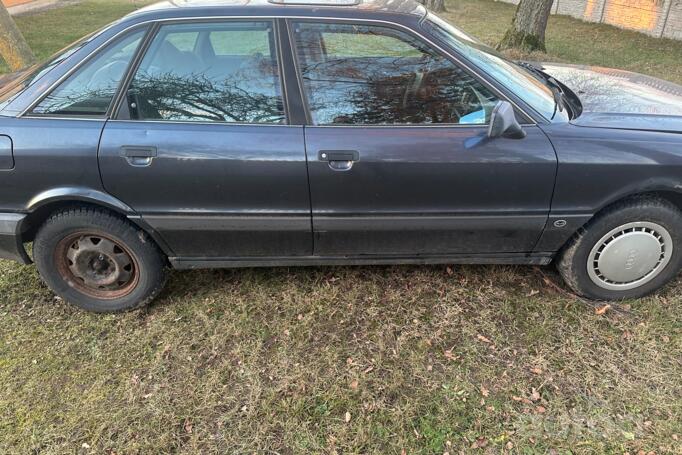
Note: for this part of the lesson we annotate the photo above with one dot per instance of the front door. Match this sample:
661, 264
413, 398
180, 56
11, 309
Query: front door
399, 159
201, 147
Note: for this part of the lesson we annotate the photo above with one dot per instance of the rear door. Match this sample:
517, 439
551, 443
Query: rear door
399, 158
202, 147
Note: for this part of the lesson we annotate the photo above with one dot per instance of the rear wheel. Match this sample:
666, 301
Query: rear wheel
99, 261
630, 250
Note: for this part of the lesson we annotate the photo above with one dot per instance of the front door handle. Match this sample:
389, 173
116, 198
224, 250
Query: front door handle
339, 160
138, 156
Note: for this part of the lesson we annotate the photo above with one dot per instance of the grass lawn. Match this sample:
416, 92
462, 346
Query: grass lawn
382, 360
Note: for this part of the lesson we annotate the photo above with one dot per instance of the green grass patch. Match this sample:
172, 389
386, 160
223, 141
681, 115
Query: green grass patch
49, 31
574, 41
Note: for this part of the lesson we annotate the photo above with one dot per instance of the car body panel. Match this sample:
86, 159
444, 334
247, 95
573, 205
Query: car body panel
598, 166
211, 179
429, 190
6, 153
49, 155
608, 90
11, 246
290, 261
620, 121
80, 194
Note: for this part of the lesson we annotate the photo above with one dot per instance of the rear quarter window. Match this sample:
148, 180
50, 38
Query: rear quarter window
91, 89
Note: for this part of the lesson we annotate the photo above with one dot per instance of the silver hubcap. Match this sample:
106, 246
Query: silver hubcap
629, 256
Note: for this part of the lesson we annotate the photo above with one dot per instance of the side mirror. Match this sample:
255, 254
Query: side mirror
503, 122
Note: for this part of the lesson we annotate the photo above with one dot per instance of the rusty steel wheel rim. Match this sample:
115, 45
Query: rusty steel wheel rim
97, 265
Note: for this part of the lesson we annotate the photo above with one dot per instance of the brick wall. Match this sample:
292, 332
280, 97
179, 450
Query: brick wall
660, 18
15, 2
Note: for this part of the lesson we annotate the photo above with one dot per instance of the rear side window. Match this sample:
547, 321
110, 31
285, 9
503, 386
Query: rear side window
90, 90
229, 74
239, 42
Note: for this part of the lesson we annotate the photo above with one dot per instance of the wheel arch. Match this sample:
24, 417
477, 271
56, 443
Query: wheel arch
662, 188
43, 205
665, 193
669, 194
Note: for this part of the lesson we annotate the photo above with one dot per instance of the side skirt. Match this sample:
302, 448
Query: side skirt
218, 263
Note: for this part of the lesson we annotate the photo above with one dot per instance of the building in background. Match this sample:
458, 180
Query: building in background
659, 18
9, 3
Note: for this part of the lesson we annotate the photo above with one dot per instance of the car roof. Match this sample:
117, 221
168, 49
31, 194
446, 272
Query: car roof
282, 8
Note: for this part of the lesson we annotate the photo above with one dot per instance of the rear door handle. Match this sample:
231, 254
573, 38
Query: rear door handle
138, 156
339, 160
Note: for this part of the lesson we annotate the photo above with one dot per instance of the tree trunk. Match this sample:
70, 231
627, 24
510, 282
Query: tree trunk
437, 6
13, 46
527, 31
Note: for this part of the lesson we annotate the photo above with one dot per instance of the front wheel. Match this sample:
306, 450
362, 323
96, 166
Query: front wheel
98, 261
630, 250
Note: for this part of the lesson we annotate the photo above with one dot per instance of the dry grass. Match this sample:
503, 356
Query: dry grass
423, 359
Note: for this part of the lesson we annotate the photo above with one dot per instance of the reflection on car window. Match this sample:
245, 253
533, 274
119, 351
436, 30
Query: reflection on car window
515, 79
216, 72
357, 74
90, 90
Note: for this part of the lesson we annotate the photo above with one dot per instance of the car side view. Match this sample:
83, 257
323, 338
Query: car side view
305, 132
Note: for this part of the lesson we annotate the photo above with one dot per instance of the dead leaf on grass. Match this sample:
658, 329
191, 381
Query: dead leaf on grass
479, 443
602, 310
535, 395
522, 400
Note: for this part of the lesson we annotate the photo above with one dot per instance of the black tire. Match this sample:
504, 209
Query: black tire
58, 244
573, 264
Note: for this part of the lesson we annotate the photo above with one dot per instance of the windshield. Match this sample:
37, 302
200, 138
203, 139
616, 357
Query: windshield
516, 79
24, 78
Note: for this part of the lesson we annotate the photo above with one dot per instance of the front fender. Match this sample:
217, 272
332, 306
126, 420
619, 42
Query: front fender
562, 226
650, 185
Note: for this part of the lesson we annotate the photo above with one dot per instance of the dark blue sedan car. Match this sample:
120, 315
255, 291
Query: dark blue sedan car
298, 132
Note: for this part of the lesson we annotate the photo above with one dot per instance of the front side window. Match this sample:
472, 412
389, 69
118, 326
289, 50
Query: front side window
375, 75
209, 72
90, 90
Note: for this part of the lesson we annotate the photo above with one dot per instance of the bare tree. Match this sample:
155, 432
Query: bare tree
527, 31
13, 46
437, 6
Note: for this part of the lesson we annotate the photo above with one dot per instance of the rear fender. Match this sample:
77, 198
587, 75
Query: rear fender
65, 195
